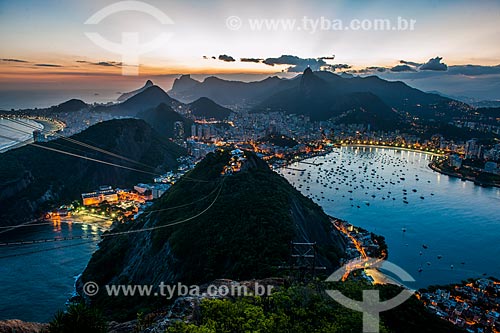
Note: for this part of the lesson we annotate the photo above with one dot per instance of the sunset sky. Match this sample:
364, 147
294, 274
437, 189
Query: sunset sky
43, 42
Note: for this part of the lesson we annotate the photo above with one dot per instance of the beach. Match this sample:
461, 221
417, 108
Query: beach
14, 135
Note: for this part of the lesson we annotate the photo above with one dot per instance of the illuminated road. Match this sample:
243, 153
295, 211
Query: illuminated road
353, 265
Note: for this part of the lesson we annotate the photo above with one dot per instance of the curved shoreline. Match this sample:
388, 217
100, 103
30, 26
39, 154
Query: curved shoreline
431, 165
435, 168
20, 140
48, 126
392, 147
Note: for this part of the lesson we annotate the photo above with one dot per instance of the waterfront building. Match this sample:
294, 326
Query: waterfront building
491, 167
455, 161
105, 193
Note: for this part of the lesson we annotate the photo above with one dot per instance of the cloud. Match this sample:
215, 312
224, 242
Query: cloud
13, 60
226, 58
256, 60
108, 64
431, 67
474, 70
296, 64
409, 71
434, 64
411, 63
371, 69
334, 67
101, 63
48, 65
402, 68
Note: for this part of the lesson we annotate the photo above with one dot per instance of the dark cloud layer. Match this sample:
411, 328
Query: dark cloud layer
474, 70
101, 63
335, 67
415, 71
256, 60
411, 63
402, 68
434, 64
226, 58
13, 60
48, 65
296, 64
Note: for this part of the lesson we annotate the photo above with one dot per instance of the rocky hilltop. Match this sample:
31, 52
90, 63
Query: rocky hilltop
209, 226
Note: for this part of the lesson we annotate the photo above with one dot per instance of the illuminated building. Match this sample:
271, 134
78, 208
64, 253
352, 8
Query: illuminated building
105, 193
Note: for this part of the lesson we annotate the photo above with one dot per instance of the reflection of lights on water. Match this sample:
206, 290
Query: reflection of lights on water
56, 224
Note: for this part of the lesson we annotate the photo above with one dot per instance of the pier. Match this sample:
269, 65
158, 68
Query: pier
310, 163
295, 169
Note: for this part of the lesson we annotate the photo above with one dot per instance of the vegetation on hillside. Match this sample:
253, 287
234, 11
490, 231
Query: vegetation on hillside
237, 226
307, 308
279, 140
247, 232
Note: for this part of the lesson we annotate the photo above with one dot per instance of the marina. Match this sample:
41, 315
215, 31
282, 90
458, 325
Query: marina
435, 226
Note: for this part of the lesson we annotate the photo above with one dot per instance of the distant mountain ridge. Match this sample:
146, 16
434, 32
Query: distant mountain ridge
225, 92
146, 99
317, 98
262, 96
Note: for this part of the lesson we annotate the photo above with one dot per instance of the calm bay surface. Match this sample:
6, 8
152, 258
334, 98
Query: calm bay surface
37, 280
447, 228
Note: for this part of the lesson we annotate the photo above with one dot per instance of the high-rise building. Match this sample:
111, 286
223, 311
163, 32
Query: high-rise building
471, 148
193, 130
200, 132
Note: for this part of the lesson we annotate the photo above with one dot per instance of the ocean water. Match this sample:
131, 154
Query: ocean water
16, 132
16, 99
37, 280
444, 217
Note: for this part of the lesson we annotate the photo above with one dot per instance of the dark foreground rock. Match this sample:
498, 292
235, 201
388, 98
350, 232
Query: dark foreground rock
18, 326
